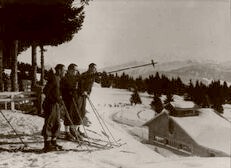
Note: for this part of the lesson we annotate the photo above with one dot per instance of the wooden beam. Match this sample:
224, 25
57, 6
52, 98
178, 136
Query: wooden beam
14, 63
1, 66
34, 65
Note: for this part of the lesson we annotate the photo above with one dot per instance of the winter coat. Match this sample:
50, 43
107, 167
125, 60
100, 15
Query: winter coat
52, 91
86, 82
69, 85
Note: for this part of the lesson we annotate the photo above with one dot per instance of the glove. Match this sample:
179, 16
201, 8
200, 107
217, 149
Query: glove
60, 100
99, 73
85, 94
73, 93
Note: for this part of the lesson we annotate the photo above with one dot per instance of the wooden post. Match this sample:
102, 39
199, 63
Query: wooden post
1, 66
12, 106
34, 87
14, 63
34, 65
5, 105
42, 65
39, 91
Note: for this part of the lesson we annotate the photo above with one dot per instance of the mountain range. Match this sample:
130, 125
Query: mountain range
204, 71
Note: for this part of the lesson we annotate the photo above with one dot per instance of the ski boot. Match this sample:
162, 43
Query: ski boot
76, 135
82, 134
69, 136
48, 147
54, 143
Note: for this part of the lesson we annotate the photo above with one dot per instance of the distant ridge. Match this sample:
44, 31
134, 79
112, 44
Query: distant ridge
203, 71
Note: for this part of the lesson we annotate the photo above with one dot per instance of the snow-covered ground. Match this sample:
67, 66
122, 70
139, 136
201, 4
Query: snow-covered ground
132, 154
227, 111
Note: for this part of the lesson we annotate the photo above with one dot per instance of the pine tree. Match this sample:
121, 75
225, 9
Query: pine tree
49, 22
169, 98
36, 23
135, 98
105, 80
157, 104
215, 95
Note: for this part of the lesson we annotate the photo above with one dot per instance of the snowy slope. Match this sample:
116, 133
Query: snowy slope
108, 102
227, 111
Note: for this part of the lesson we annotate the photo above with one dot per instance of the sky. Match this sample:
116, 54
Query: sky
117, 32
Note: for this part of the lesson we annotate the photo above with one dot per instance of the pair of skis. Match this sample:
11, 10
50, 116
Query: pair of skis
99, 143
84, 145
105, 129
88, 142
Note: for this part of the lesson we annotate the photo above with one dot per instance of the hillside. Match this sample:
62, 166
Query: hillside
186, 70
200, 72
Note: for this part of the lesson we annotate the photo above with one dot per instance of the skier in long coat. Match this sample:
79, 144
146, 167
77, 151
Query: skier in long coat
84, 90
51, 107
69, 85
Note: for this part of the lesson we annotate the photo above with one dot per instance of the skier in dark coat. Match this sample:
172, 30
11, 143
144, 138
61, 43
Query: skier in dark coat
51, 106
84, 90
69, 85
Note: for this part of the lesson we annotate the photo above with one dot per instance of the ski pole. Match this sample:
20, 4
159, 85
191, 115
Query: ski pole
25, 145
70, 120
104, 123
93, 107
138, 66
77, 109
98, 118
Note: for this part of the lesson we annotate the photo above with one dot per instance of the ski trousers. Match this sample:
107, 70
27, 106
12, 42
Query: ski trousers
52, 124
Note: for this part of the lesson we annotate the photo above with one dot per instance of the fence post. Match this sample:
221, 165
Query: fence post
5, 105
38, 103
12, 106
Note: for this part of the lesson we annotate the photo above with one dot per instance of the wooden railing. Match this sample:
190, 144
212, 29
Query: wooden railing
16, 97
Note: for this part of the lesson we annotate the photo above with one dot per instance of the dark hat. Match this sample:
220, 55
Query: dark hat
58, 66
92, 65
72, 66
